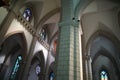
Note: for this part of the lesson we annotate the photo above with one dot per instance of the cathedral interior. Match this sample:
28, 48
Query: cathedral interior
60, 40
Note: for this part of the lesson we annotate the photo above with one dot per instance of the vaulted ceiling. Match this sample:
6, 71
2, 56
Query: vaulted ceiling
41, 8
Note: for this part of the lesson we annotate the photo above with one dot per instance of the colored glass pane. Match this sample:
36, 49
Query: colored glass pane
104, 75
38, 69
15, 68
43, 34
51, 76
27, 14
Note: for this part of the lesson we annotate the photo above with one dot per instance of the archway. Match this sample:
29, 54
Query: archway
103, 56
12, 55
37, 67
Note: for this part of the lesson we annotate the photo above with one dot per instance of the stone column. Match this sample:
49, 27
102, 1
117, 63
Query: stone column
89, 68
65, 55
28, 59
67, 59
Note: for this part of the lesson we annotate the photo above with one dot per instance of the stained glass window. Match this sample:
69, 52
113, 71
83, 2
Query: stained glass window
38, 69
35, 71
27, 14
104, 75
55, 45
43, 34
15, 68
51, 76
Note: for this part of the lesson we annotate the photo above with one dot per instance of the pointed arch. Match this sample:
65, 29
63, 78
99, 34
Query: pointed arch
40, 56
22, 39
37, 68
103, 33
13, 52
48, 16
104, 46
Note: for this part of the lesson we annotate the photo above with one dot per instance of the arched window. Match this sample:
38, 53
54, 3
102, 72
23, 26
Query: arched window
35, 71
51, 76
43, 34
15, 68
103, 75
27, 14
38, 69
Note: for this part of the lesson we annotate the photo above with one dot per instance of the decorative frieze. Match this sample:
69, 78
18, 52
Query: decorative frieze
30, 29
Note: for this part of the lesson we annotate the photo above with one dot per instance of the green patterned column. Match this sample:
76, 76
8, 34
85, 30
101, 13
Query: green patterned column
76, 52
68, 58
65, 55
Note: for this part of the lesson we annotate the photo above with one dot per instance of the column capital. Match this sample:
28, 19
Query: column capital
88, 57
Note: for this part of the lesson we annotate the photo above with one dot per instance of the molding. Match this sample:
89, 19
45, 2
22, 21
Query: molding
26, 24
